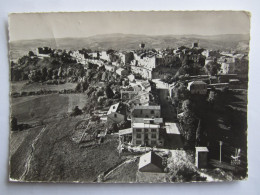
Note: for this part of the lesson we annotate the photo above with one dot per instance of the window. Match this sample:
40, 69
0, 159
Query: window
138, 130
146, 130
138, 135
141, 112
153, 142
153, 135
146, 136
152, 111
153, 130
138, 142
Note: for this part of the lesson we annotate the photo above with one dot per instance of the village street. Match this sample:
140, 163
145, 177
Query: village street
168, 110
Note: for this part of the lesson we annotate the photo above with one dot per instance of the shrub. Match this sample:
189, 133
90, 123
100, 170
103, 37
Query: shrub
14, 125
76, 111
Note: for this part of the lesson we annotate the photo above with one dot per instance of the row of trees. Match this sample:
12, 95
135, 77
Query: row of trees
58, 65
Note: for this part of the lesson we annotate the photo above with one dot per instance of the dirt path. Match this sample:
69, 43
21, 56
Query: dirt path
28, 160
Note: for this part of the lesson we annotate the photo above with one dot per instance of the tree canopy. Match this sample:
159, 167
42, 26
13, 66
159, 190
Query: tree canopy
212, 68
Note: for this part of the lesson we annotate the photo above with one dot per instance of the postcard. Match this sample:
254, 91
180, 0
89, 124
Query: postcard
128, 96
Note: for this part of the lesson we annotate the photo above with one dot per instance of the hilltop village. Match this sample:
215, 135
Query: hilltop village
177, 114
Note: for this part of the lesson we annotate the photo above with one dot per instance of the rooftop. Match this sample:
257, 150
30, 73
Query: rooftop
150, 158
126, 131
172, 128
118, 107
113, 108
120, 69
196, 83
143, 125
147, 120
202, 149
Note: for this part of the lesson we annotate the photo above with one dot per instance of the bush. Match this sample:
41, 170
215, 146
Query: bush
95, 118
14, 125
112, 127
76, 111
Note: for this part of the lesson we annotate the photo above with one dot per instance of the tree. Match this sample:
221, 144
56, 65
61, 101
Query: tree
212, 68
85, 85
212, 97
14, 125
186, 105
35, 75
78, 87
44, 74
102, 68
13, 64
16, 74
181, 92
76, 111
24, 76
55, 74
189, 127
30, 54
60, 72
49, 73
100, 93
109, 93
112, 128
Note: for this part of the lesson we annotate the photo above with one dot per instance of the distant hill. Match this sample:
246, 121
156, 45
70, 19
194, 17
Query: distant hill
129, 41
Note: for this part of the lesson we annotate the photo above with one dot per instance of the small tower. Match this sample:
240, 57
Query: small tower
142, 45
195, 44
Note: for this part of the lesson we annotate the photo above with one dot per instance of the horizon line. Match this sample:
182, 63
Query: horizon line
206, 35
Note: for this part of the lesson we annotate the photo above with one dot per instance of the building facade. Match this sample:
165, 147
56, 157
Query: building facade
146, 125
146, 134
147, 112
116, 113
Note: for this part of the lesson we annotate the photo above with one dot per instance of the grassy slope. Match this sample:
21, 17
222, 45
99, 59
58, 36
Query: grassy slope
20, 148
36, 108
57, 158
125, 174
39, 108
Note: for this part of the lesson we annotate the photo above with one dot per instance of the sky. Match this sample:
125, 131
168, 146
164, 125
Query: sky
26, 26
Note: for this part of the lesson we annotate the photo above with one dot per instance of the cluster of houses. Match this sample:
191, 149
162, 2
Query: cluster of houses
228, 60
142, 62
148, 128
152, 63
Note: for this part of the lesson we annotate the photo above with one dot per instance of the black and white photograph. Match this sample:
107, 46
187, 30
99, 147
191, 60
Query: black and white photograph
128, 96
